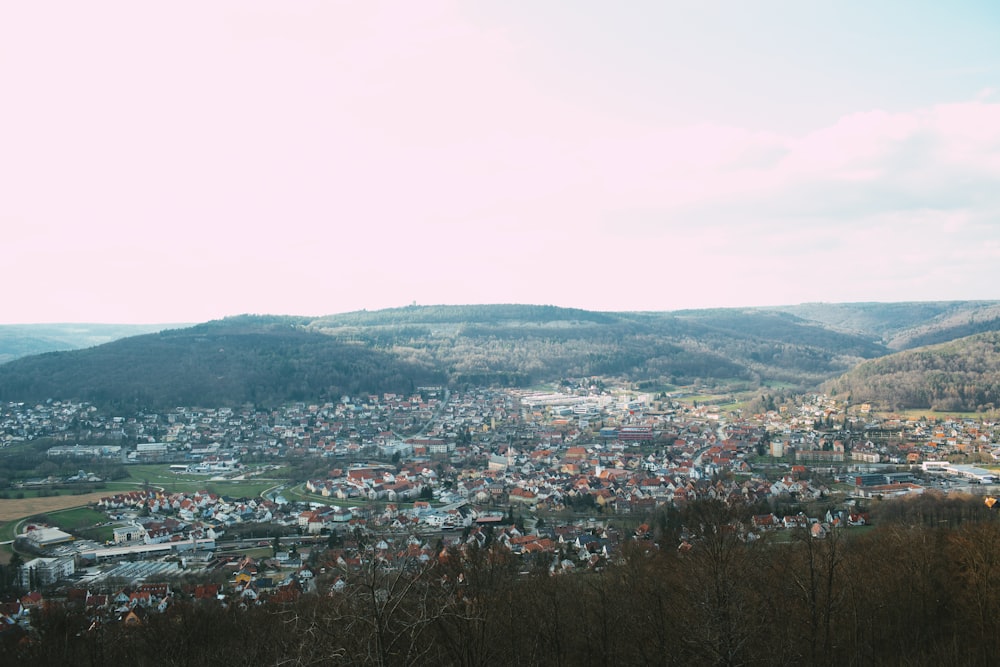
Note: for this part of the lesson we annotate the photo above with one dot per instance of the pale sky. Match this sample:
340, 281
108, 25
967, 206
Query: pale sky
184, 161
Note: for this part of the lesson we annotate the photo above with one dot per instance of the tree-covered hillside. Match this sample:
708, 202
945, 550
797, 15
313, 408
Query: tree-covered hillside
257, 360
272, 359
961, 375
265, 359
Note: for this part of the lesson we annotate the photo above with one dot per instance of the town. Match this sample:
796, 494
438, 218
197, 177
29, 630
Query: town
562, 479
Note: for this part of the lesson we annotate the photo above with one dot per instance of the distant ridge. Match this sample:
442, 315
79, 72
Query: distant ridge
273, 359
21, 340
905, 325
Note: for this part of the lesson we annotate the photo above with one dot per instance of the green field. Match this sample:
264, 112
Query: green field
85, 522
159, 476
721, 401
6, 534
932, 415
298, 493
7, 531
77, 518
777, 384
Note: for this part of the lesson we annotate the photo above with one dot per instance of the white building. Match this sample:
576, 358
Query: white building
42, 537
46, 571
133, 532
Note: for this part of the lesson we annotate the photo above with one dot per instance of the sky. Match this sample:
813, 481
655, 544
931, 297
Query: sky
185, 161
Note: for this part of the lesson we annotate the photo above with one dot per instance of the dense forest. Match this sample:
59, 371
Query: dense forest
923, 588
271, 359
262, 359
255, 360
958, 375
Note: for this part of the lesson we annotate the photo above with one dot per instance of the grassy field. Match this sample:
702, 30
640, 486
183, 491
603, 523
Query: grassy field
83, 521
931, 414
70, 511
77, 518
160, 476
7, 531
777, 384
298, 493
12, 511
255, 552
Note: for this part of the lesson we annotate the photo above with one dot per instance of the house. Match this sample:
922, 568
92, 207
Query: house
523, 496
134, 617
94, 602
140, 599
33, 600
857, 519
243, 577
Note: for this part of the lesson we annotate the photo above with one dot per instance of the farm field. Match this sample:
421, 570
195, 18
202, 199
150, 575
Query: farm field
70, 512
13, 509
920, 413
77, 518
156, 476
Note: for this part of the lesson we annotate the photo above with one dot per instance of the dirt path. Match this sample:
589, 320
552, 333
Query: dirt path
11, 510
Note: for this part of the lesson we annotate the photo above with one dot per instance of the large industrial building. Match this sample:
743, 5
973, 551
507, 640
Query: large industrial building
43, 537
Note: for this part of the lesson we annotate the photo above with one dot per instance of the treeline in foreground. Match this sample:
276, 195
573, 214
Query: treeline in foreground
907, 593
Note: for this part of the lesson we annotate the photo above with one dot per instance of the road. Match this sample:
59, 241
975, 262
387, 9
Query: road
720, 433
430, 422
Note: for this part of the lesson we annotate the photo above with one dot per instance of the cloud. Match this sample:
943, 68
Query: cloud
944, 150
320, 153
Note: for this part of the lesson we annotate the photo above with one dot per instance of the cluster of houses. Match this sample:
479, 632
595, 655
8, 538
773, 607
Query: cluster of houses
21, 422
814, 429
818, 423
286, 577
375, 482
129, 606
459, 460
202, 506
817, 527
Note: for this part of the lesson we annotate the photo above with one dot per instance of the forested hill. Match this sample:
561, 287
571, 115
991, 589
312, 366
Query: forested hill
219, 363
960, 375
263, 359
266, 360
